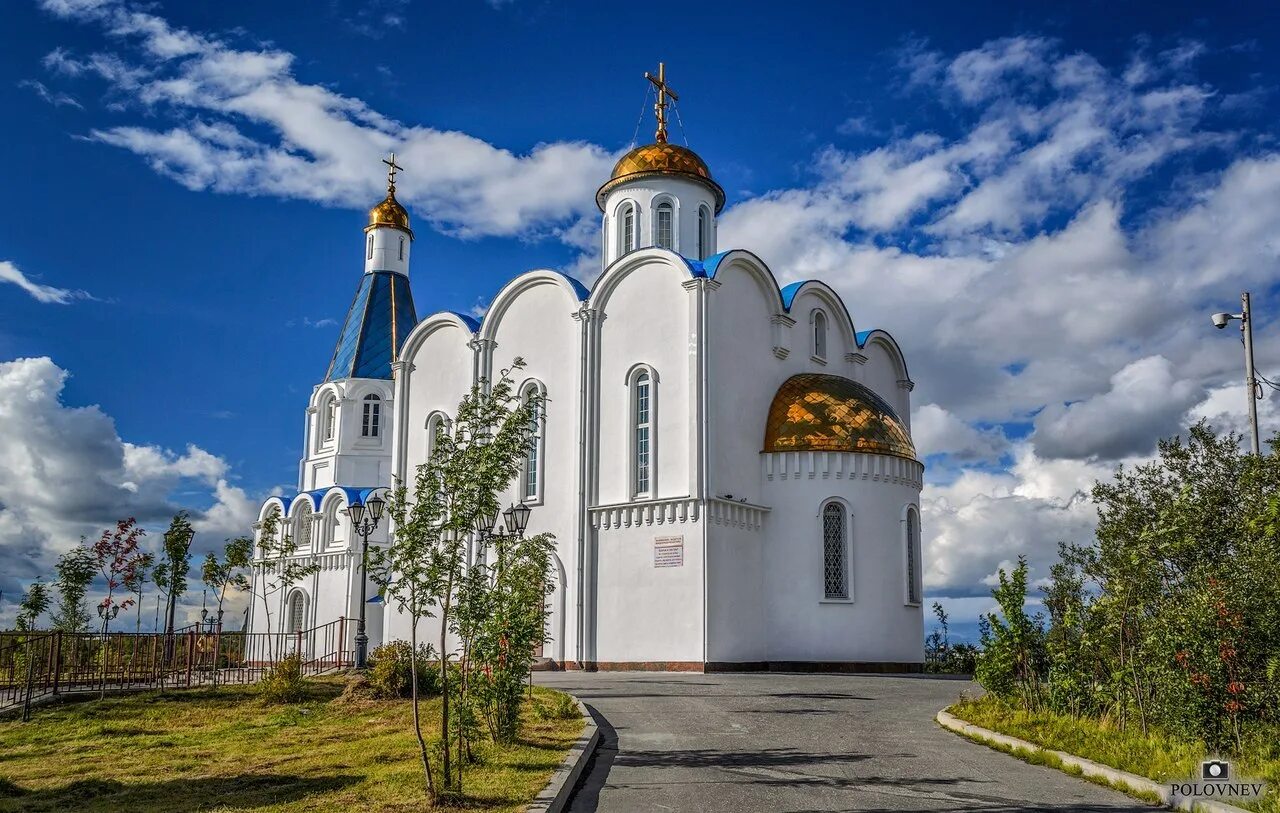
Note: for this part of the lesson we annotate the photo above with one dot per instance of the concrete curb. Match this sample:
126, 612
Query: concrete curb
1116, 778
555, 796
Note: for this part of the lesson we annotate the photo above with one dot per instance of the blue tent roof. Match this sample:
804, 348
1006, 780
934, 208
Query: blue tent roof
380, 318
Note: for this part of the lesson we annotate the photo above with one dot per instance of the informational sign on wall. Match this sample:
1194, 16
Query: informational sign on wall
668, 551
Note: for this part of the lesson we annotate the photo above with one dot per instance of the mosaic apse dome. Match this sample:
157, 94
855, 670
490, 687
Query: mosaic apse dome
828, 413
661, 159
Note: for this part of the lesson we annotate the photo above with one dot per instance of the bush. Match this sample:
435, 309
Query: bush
284, 683
560, 707
390, 675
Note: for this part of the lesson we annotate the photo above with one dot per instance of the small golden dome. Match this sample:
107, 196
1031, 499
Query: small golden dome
389, 213
828, 413
661, 159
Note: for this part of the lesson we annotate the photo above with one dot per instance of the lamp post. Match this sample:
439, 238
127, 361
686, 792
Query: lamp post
514, 520
107, 612
1245, 316
363, 523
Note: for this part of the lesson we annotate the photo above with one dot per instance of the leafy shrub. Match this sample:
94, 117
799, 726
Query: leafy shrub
284, 682
560, 707
390, 674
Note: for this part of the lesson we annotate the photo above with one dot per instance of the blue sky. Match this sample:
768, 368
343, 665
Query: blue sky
1040, 205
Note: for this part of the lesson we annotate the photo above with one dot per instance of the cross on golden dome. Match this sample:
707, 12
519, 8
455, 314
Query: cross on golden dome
664, 92
392, 168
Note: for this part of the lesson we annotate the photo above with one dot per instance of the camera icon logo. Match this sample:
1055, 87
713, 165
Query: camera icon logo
1215, 769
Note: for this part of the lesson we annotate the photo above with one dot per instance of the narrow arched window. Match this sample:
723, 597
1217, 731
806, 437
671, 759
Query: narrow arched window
663, 226
627, 230
835, 552
402, 249
302, 527
435, 426
329, 417
372, 419
704, 232
913, 556
530, 478
369, 248
819, 335
643, 424
297, 611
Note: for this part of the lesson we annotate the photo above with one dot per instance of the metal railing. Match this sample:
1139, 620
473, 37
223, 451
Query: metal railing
39, 664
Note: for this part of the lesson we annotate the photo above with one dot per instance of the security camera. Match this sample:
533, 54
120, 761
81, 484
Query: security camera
1220, 320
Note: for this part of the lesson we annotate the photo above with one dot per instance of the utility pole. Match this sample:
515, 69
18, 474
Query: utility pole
1251, 376
1245, 316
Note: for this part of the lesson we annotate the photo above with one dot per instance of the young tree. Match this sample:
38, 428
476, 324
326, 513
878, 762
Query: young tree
170, 575
117, 557
76, 569
230, 571
424, 565
35, 602
136, 583
1013, 658
280, 565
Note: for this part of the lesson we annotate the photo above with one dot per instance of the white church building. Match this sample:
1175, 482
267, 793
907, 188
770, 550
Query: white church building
726, 464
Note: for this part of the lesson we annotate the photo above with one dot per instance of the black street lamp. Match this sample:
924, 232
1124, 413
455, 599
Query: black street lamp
514, 520
364, 523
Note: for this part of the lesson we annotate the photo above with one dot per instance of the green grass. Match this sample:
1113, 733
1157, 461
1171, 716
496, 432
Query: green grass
227, 750
1156, 755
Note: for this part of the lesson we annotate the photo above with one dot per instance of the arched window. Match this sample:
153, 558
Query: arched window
835, 552
531, 472
819, 335
664, 226
297, 611
402, 249
436, 424
704, 232
913, 556
369, 248
642, 434
626, 229
302, 525
372, 420
329, 419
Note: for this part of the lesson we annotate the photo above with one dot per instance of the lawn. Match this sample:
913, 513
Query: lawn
229, 751
1155, 755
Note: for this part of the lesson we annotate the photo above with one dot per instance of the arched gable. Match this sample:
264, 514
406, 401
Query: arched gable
622, 267
442, 320
837, 313
883, 340
575, 292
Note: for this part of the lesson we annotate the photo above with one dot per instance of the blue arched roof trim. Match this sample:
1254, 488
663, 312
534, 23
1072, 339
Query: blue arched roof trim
286, 500
581, 290
472, 323
712, 264
788, 294
862, 336
317, 496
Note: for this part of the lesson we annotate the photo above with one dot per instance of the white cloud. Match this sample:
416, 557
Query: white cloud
66, 473
53, 98
322, 146
936, 431
47, 294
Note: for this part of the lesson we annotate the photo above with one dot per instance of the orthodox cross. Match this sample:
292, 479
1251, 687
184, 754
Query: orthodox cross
664, 92
392, 167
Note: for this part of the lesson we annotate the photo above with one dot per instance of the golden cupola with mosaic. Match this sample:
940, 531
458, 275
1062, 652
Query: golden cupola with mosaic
660, 195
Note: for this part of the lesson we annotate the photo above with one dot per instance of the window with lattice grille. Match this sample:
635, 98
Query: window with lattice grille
913, 556
835, 570
642, 427
665, 226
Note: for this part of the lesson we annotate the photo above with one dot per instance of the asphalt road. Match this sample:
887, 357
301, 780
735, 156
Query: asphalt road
793, 743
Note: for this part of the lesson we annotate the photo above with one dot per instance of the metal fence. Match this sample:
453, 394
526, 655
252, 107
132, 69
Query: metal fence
39, 664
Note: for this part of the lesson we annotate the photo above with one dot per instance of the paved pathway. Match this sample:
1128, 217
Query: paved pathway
794, 743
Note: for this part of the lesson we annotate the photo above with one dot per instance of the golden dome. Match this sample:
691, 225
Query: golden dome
389, 213
661, 159
828, 413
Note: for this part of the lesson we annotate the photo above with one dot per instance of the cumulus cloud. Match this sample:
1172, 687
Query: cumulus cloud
65, 473
47, 294
308, 141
